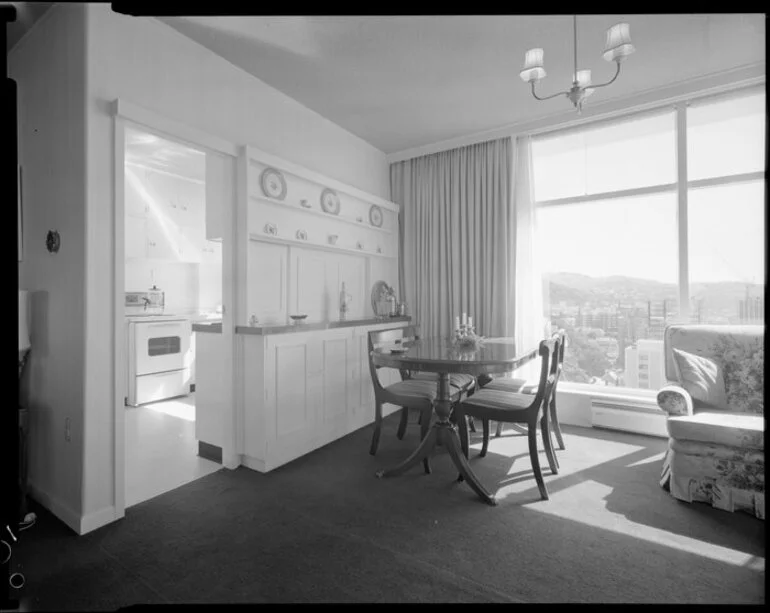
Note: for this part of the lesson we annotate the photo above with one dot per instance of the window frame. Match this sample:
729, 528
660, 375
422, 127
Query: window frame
681, 186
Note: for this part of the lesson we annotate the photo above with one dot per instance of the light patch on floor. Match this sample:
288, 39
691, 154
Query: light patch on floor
161, 449
571, 484
175, 408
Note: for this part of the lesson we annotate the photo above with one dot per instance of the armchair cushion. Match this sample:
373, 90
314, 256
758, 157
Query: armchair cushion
702, 377
719, 427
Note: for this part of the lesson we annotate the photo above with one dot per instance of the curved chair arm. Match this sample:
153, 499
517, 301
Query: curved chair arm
675, 400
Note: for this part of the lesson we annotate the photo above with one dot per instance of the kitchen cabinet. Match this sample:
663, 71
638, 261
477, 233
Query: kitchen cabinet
136, 237
303, 390
162, 240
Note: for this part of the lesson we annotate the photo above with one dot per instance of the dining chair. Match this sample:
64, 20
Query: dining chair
523, 386
514, 407
409, 393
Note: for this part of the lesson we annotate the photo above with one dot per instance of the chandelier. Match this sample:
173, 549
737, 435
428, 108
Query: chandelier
617, 49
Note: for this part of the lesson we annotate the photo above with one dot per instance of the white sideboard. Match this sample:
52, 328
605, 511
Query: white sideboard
302, 390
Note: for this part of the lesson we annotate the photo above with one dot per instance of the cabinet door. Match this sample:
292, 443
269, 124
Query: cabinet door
334, 348
162, 240
211, 252
291, 415
135, 202
192, 240
136, 237
267, 272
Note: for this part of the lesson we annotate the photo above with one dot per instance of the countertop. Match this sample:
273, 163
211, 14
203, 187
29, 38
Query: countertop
216, 326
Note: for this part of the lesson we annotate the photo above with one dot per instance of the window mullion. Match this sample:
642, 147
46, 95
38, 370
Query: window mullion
681, 178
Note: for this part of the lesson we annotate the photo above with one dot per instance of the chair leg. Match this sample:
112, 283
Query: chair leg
485, 443
499, 431
555, 422
462, 427
402, 423
553, 462
532, 436
424, 427
471, 424
377, 426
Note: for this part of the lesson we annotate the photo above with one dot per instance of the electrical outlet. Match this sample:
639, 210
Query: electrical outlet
67, 431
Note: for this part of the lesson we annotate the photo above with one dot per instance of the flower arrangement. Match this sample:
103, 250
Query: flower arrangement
465, 336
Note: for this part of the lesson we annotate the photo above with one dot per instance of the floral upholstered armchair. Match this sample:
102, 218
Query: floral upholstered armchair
715, 404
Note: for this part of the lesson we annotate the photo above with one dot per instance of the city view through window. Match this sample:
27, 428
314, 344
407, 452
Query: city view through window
610, 261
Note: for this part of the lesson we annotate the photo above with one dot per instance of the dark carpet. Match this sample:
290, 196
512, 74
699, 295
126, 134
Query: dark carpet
324, 529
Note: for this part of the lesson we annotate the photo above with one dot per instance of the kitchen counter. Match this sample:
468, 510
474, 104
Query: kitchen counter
313, 326
212, 325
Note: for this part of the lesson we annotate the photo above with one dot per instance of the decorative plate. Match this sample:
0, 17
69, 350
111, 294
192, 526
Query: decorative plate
330, 202
380, 290
273, 184
375, 216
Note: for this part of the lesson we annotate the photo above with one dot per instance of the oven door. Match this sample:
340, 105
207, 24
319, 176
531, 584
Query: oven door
161, 346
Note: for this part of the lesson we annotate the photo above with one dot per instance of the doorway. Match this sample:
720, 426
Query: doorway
172, 275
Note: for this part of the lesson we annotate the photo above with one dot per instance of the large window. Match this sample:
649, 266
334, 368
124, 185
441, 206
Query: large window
618, 261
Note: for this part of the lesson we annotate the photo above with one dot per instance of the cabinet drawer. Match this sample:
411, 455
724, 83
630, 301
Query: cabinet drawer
159, 386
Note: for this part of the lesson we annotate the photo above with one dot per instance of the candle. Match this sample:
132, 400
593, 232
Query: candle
470, 322
465, 318
457, 322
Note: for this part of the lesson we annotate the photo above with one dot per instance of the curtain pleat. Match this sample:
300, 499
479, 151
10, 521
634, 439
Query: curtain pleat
457, 233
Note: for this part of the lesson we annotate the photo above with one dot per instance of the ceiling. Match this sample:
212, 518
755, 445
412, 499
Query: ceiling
402, 82
149, 151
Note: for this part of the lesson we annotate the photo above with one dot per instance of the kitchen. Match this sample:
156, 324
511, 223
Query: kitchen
173, 279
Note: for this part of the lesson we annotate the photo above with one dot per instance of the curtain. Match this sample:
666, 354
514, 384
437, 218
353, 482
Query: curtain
457, 232
530, 326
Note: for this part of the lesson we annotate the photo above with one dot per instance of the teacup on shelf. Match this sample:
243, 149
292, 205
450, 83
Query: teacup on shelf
302, 235
304, 204
333, 239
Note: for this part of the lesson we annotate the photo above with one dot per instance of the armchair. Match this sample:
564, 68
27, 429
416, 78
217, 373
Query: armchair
715, 404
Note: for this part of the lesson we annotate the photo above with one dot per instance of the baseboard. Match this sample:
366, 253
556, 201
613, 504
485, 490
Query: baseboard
253, 463
55, 506
210, 452
97, 519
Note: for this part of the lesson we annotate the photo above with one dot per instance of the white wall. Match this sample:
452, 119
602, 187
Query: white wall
49, 66
149, 64
178, 280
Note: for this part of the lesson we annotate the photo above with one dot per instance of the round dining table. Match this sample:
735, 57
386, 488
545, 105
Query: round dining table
440, 355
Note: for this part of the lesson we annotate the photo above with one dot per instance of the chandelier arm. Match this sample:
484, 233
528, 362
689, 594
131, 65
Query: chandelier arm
612, 80
546, 97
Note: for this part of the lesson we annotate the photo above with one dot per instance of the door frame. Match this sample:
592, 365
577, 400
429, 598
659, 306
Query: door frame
126, 114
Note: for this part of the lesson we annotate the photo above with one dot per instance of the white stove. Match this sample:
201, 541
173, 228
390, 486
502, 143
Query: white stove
158, 349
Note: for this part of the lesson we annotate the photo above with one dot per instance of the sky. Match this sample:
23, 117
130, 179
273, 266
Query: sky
637, 236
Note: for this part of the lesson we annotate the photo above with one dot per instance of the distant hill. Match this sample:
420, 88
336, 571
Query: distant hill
581, 289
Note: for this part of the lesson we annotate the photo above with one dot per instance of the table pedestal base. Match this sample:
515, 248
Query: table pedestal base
442, 433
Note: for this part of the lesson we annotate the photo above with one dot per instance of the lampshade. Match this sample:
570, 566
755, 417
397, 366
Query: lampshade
583, 78
618, 45
533, 66
24, 343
